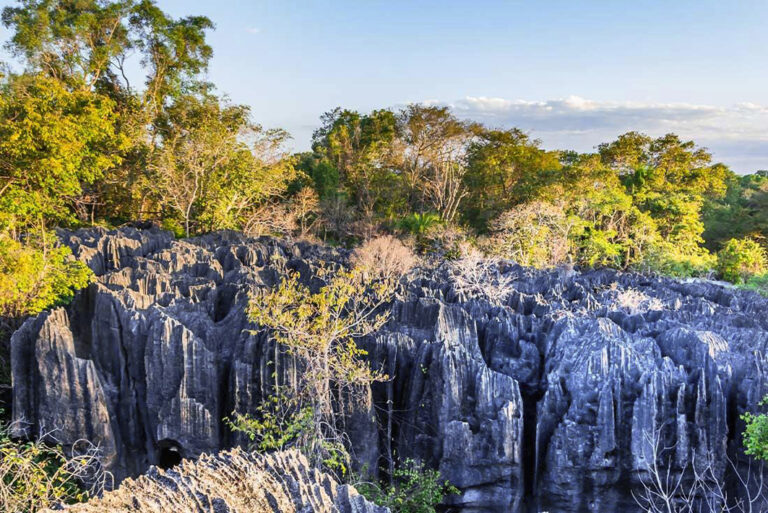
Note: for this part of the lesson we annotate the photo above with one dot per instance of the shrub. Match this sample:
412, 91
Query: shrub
756, 433
444, 239
758, 283
384, 257
173, 226
280, 422
473, 275
35, 476
418, 224
739, 259
636, 301
665, 258
414, 490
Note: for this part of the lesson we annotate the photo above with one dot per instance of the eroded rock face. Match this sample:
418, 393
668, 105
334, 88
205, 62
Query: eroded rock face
547, 402
233, 482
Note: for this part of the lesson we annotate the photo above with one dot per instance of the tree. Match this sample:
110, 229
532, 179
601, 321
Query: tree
534, 234
215, 164
53, 141
87, 47
319, 328
699, 486
37, 275
175, 52
86, 44
741, 212
359, 147
498, 163
669, 179
430, 158
75, 42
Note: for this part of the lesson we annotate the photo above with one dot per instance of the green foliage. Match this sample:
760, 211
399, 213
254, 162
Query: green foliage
419, 224
669, 259
500, 163
739, 259
174, 226
742, 212
758, 283
355, 152
279, 423
74, 42
36, 275
319, 328
756, 433
414, 489
52, 141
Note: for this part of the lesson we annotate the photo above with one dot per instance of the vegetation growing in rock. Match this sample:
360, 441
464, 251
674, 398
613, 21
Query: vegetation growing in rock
756, 433
280, 422
35, 476
414, 489
318, 326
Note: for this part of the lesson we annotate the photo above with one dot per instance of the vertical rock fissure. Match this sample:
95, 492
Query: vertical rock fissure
528, 458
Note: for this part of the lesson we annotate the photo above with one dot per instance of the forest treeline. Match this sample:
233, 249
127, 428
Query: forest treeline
85, 141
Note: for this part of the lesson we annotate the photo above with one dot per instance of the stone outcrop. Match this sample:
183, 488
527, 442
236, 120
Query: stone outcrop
233, 482
547, 401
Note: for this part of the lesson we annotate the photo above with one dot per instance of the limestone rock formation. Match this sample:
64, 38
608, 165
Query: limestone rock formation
547, 401
233, 482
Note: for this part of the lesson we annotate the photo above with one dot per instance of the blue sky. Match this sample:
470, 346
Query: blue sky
572, 73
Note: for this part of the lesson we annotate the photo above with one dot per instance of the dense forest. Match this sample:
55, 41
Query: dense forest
84, 143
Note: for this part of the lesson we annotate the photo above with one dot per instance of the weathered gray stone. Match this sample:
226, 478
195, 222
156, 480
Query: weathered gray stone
546, 402
233, 482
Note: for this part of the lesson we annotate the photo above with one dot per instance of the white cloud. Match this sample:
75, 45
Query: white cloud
254, 30
737, 135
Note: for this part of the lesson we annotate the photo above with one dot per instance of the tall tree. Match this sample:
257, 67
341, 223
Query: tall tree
431, 158
52, 142
670, 180
360, 149
215, 164
499, 163
87, 45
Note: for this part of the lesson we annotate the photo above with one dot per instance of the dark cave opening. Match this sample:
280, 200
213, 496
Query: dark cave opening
169, 454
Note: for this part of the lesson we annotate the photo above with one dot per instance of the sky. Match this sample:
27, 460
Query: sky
571, 73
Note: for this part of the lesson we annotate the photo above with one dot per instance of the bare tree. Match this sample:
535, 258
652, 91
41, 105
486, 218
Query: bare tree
39, 474
445, 187
697, 487
473, 275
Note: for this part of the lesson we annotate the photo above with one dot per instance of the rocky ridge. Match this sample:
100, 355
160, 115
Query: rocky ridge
548, 401
233, 482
